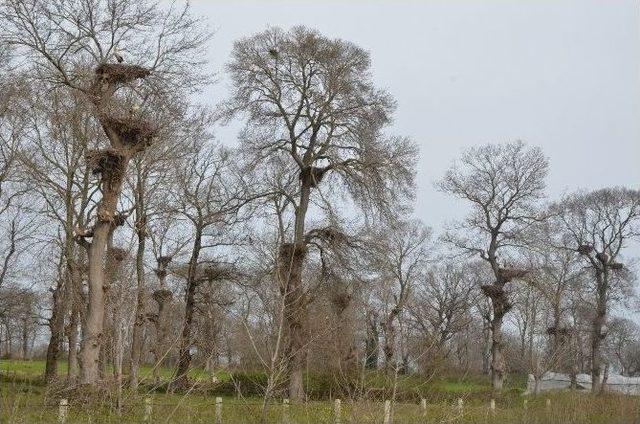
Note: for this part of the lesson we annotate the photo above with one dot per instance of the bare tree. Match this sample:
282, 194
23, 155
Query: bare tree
64, 40
309, 102
503, 185
599, 225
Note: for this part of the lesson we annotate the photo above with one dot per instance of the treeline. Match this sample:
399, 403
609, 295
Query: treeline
138, 238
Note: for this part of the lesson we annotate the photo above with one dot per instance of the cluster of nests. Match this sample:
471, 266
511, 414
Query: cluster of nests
586, 249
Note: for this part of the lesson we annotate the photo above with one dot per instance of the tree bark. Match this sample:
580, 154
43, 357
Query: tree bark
497, 357
56, 326
184, 356
597, 326
138, 326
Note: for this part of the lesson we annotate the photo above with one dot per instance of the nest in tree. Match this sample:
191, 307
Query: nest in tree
585, 249
616, 265
560, 331
160, 273
312, 175
164, 260
289, 250
341, 300
119, 219
162, 295
118, 73
104, 161
602, 257
131, 131
508, 274
332, 235
117, 254
213, 272
492, 291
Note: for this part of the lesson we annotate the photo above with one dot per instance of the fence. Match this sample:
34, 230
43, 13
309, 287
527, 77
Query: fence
218, 406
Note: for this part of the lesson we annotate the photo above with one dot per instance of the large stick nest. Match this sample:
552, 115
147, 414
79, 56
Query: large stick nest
105, 161
560, 331
312, 175
131, 131
162, 295
493, 291
509, 274
585, 249
164, 260
289, 250
118, 73
117, 254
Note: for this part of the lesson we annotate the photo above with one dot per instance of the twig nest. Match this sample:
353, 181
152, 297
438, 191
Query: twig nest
160, 273
130, 130
118, 73
312, 175
616, 266
162, 295
508, 274
105, 161
493, 291
164, 260
118, 254
602, 257
585, 249
560, 331
289, 250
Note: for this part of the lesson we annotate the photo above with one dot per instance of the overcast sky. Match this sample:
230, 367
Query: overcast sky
561, 74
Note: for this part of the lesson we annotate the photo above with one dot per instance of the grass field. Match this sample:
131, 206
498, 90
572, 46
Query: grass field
25, 399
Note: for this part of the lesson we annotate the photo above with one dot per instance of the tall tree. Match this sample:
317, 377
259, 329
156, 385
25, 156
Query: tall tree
503, 184
311, 107
599, 225
65, 40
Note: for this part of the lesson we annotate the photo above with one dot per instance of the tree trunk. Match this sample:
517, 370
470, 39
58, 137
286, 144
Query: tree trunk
295, 315
56, 326
597, 335
138, 326
184, 356
497, 358
72, 369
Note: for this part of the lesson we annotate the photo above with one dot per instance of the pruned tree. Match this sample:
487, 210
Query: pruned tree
65, 41
312, 109
598, 226
503, 184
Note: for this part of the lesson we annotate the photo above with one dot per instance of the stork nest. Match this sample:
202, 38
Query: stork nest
131, 131
105, 161
289, 250
341, 301
331, 235
214, 272
616, 266
160, 273
493, 291
602, 257
118, 254
118, 73
508, 274
585, 249
312, 175
162, 295
560, 331
164, 260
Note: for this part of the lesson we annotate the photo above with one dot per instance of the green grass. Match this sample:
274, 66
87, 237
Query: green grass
25, 399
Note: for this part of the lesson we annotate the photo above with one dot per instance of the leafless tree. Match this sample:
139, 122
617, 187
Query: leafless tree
503, 184
64, 40
599, 225
309, 101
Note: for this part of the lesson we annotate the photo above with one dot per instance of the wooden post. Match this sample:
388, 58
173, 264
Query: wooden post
147, 410
218, 410
63, 411
387, 412
548, 403
423, 406
285, 411
492, 406
337, 411
460, 406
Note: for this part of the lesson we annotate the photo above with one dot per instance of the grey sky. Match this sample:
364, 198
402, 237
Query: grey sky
561, 74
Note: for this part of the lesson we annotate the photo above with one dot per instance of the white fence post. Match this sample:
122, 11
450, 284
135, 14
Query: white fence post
337, 411
285, 411
218, 410
147, 410
423, 407
387, 412
63, 411
548, 403
492, 406
460, 406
